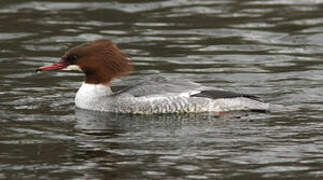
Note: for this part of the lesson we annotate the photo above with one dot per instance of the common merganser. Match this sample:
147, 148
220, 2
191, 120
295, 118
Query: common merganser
102, 61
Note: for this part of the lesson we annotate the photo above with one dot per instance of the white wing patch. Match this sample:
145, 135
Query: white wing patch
189, 93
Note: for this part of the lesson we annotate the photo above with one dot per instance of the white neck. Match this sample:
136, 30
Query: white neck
89, 94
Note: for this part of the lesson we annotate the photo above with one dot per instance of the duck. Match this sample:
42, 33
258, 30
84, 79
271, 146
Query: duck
102, 61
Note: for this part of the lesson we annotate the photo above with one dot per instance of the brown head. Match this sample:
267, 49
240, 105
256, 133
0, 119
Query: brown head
100, 60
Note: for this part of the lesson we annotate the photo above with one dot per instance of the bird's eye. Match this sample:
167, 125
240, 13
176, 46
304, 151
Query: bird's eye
72, 58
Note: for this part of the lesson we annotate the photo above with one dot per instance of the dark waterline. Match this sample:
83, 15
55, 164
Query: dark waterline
271, 48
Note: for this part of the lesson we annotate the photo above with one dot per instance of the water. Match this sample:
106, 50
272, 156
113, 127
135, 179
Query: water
269, 48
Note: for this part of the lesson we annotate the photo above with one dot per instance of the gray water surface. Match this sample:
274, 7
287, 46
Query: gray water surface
271, 48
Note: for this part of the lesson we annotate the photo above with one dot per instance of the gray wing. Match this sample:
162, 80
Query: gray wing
218, 94
160, 85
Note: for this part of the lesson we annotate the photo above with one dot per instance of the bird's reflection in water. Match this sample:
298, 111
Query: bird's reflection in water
109, 134
123, 140
103, 122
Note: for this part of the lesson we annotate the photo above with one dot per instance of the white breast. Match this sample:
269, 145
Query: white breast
90, 94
